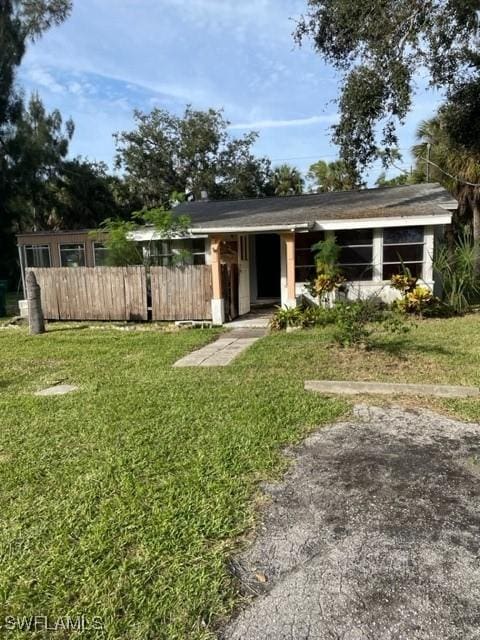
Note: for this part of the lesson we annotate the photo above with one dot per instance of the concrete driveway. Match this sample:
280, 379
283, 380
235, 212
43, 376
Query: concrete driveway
373, 534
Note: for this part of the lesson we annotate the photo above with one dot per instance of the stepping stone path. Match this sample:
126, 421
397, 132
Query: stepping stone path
57, 390
221, 352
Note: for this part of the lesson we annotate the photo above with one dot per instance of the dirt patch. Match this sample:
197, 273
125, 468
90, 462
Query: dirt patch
374, 533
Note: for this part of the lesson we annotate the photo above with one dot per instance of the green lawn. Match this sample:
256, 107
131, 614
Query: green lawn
124, 499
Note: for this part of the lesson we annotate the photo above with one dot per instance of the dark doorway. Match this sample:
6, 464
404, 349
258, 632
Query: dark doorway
267, 255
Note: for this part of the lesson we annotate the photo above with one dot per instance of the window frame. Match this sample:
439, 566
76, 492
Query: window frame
72, 244
37, 246
308, 251
94, 248
403, 244
367, 265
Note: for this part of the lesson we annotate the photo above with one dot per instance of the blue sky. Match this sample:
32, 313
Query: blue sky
112, 56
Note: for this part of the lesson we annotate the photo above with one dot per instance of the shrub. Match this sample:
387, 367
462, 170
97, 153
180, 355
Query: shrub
285, 318
359, 322
456, 271
328, 275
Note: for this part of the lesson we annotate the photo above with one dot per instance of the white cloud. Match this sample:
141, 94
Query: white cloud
280, 124
43, 78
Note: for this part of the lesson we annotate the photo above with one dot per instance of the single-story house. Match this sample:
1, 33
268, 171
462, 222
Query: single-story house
260, 249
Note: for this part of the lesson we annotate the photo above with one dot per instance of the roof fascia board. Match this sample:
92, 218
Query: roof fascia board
377, 223
252, 229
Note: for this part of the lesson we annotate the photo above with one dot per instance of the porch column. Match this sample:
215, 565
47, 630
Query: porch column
289, 298
218, 307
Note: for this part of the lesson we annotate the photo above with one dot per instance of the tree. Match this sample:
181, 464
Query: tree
122, 250
20, 21
455, 167
191, 153
84, 194
287, 180
332, 176
378, 46
39, 148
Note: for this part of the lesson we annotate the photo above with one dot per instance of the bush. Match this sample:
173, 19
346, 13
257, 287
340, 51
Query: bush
285, 318
456, 270
359, 322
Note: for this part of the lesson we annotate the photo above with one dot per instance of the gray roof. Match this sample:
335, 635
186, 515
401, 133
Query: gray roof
410, 200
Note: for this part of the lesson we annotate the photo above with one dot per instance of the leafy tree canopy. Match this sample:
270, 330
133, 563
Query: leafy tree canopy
190, 153
379, 46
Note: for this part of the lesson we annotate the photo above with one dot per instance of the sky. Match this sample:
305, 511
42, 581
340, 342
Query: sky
113, 56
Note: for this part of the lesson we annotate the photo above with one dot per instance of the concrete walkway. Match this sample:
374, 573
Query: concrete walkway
221, 352
373, 534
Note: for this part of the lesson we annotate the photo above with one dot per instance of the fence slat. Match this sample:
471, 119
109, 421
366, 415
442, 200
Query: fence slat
181, 293
100, 293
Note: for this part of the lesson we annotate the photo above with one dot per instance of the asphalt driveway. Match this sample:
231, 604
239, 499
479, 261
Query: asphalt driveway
373, 534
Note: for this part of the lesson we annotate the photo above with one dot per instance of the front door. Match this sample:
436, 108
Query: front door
243, 275
267, 255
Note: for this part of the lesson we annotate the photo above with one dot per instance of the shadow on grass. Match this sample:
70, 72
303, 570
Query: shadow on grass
52, 328
402, 348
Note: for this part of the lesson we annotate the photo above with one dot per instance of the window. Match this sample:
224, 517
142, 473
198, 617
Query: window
100, 254
304, 256
161, 254
403, 247
72, 255
356, 253
165, 253
37, 256
198, 250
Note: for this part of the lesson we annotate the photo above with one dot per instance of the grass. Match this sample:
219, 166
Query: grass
124, 500
121, 501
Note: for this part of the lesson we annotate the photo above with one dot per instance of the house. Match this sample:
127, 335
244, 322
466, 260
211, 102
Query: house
260, 249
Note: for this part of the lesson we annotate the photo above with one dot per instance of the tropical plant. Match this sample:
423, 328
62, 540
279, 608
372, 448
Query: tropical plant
457, 168
287, 180
332, 176
303, 316
328, 276
286, 318
455, 267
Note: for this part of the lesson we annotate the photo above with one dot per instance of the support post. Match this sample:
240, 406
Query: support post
218, 305
289, 240
35, 313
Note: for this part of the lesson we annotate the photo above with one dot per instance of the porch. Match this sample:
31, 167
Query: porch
251, 273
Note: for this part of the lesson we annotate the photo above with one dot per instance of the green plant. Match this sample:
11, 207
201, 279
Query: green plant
286, 317
304, 317
328, 275
361, 321
123, 251
456, 271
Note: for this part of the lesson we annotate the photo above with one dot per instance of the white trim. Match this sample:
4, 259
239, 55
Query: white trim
147, 235
375, 223
267, 228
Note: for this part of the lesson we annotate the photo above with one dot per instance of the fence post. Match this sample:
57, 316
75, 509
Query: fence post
35, 313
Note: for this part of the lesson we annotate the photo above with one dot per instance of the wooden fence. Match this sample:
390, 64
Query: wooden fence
100, 293
120, 293
181, 293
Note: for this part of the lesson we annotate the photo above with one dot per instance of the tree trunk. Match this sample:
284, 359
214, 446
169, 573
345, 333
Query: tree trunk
35, 313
